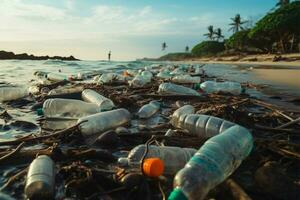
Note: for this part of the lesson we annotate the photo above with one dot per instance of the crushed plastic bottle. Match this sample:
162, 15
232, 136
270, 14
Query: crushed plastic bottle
40, 183
170, 88
182, 111
228, 87
56, 77
68, 108
91, 96
148, 110
174, 158
202, 126
217, 159
103, 121
13, 93
186, 79
110, 77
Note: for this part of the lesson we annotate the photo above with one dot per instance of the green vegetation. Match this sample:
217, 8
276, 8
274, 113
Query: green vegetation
176, 56
279, 28
239, 41
208, 48
237, 23
277, 32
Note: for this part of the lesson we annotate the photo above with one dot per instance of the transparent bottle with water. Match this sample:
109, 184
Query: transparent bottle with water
217, 159
228, 87
174, 158
92, 96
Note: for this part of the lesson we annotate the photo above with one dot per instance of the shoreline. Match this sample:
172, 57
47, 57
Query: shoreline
286, 60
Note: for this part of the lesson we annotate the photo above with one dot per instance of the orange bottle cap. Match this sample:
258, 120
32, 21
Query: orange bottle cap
153, 167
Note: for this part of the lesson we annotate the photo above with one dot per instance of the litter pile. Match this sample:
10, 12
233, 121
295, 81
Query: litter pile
162, 132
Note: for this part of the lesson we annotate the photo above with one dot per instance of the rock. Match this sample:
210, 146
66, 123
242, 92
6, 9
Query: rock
274, 181
108, 138
131, 180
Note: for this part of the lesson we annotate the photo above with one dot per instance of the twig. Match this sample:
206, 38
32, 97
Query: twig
289, 123
31, 138
12, 153
237, 192
13, 178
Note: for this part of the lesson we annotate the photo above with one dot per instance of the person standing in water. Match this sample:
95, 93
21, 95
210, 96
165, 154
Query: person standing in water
109, 55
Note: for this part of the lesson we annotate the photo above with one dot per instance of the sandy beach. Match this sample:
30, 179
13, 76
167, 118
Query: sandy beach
292, 60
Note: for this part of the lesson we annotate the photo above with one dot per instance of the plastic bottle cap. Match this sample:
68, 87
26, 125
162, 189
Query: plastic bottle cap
177, 194
197, 86
40, 111
153, 167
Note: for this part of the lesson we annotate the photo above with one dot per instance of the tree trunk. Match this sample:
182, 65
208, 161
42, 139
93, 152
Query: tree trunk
292, 42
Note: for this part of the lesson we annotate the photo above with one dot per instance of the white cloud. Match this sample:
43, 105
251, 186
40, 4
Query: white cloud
23, 21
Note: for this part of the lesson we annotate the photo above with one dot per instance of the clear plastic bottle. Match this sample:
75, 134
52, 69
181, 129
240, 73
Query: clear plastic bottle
182, 111
229, 87
141, 80
103, 121
174, 158
165, 75
186, 79
170, 88
13, 93
91, 96
68, 108
148, 110
57, 77
40, 181
217, 159
203, 126
66, 90
110, 77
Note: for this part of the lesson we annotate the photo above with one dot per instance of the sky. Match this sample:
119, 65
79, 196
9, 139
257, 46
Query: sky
131, 29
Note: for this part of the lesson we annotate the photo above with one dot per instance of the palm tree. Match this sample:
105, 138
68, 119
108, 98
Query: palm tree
210, 33
187, 49
237, 23
164, 46
218, 34
281, 3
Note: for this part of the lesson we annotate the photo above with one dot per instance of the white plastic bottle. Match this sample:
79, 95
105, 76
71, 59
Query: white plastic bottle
68, 108
91, 96
103, 121
165, 75
203, 126
174, 158
57, 77
40, 183
170, 88
148, 110
13, 93
217, 159
228, 87
186, 79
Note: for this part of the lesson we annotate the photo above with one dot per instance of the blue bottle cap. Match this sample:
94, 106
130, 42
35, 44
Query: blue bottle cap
177, 194
40, 111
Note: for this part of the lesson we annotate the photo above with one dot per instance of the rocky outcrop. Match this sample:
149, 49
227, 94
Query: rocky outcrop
4, 55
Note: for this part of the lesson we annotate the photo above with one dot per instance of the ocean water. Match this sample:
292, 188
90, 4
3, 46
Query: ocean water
18, 72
